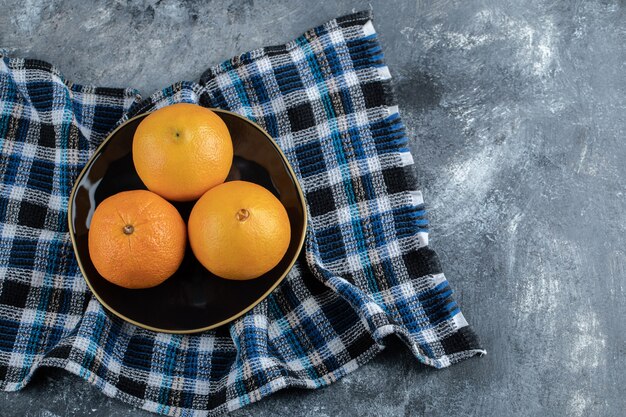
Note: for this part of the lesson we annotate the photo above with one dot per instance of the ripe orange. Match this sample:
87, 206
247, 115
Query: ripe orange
136, 239
182, 150
239, 230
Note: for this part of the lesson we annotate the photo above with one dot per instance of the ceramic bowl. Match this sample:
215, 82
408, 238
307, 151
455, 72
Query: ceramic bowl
193, 299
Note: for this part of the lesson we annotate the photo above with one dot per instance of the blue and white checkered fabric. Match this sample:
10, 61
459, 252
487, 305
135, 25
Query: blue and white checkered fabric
366, 272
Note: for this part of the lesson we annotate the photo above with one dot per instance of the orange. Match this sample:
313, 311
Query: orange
136, 239
239, 230
181, 151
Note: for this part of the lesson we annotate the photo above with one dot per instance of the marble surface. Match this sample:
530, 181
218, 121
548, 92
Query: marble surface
517, 116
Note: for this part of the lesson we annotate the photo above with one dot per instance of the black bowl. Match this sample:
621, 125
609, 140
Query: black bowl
193, 299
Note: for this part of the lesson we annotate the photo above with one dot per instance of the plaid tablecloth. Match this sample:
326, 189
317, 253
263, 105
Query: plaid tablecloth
366, 272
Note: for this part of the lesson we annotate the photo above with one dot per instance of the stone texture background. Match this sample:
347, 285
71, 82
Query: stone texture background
517, 116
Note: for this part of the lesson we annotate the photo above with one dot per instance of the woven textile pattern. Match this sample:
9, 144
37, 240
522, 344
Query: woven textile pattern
366, 271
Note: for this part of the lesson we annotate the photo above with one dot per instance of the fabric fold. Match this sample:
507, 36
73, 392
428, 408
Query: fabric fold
366, 271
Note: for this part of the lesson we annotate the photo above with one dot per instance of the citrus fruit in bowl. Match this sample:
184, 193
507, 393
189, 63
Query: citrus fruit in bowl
239, 230
136, 239
200, 293
181, 151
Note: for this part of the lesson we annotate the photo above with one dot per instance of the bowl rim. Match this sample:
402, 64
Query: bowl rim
72, 232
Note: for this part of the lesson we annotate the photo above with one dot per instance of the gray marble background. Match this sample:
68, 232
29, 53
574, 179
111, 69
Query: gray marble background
517, 116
